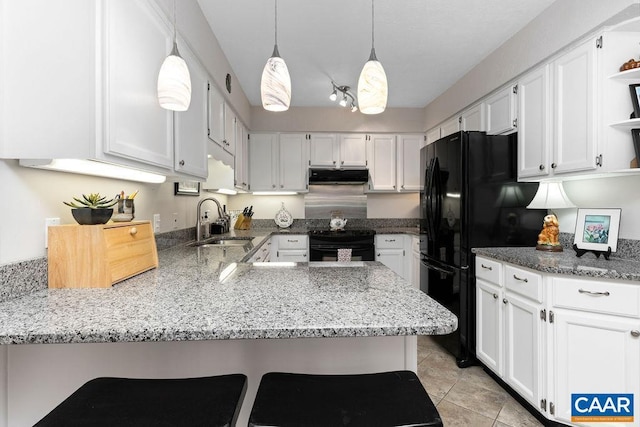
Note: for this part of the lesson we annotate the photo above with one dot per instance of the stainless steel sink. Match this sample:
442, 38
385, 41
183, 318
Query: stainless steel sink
220, 243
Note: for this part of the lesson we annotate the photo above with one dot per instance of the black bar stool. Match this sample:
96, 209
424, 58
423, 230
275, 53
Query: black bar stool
381, 399
206, 401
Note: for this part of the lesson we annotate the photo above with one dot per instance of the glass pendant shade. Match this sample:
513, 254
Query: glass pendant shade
372, 87
174, 82
275, 86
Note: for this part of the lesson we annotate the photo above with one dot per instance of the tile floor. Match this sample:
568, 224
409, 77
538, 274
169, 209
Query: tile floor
466, 397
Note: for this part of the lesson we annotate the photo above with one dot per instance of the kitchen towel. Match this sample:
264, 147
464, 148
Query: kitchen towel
344, 255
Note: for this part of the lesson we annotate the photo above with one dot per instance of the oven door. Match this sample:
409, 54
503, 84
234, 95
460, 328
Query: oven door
326, 252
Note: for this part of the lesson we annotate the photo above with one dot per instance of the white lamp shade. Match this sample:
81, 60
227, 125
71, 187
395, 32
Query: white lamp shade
551, 195
372, 88
275, 87
174, 84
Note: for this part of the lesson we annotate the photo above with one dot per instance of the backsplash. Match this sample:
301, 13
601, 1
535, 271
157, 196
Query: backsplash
352, 223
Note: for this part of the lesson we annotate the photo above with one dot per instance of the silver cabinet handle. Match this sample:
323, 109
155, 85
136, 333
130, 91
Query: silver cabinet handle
525, 280
292, 241
487, 267
495, 296
504, 300
553, 166
541, 167
377, 254
595, 294
181, 163
635, 333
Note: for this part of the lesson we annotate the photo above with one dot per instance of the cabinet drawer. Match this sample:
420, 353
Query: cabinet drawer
523, 282
488, 270
390, 241
292, 242
597, 296
415, 244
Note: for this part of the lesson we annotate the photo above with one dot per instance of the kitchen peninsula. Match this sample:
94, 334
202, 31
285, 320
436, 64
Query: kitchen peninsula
204, 313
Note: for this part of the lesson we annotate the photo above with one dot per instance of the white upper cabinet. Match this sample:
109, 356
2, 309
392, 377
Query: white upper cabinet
574, 124
501, 111
473, 118
229, 141
241, 159
293, 159
278, 162
432, 135
324, 150
450, 127
216, 115
263, 160
381, 152
534, 130
353, 150
409, 162
190, 156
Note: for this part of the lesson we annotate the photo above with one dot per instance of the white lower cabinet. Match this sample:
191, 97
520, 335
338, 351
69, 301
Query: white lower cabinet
292, 248
549, 336
391, 250
263, 254
415, 262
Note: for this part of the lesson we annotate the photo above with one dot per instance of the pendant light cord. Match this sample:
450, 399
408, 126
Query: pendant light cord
276, 22
175, 37
373, 23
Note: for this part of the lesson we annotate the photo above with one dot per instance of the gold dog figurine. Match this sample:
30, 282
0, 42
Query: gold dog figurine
548, 237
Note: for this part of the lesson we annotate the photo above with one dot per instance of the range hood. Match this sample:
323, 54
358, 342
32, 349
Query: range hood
338, 176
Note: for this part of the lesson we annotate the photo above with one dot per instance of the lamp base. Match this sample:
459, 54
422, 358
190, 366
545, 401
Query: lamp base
549, 248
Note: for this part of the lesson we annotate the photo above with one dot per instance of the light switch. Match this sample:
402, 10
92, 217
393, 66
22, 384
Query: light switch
156, 223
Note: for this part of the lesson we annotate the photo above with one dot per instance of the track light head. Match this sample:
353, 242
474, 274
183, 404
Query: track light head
334, 95
343, 101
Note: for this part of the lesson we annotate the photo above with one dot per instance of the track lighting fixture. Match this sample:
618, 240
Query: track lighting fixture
347, 99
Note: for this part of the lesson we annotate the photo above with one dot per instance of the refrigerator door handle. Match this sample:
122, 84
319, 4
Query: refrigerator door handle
429, 262
439, 269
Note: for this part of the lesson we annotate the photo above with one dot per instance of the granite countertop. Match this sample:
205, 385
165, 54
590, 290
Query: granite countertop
206, 294
565, 262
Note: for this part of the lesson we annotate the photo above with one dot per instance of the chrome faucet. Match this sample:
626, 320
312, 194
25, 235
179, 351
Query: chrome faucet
223, 218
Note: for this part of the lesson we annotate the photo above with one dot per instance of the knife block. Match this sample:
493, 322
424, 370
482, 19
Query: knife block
97, 256
243, 222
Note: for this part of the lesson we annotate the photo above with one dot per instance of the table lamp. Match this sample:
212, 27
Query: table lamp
550, 195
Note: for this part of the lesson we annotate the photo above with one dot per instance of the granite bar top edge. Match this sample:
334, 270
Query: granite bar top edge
565, 263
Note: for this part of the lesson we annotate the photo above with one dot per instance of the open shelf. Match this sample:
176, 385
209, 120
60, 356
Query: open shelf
632, 74
627, 124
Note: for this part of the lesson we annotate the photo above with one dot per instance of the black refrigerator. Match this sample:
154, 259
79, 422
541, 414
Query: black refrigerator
470, 198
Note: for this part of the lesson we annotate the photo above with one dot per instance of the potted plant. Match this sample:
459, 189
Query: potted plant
91, 209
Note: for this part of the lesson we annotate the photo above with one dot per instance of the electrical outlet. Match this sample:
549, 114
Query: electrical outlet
47, 223
175, 220
156, 223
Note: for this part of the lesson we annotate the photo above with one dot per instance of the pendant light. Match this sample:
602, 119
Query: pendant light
372, 84
174, 81
275, 87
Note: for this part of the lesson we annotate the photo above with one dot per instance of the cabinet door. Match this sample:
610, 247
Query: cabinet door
489, 325
501, 111
229, 141
534, 130
263, 161
450, 127
409, 162
241, 159
392, 258
353, 150
382, 162
323, 150
415, 270
574, 121
473, 118
293, 162
137, 41
523, 337
594, 354
433, 135
216, 114
191, 126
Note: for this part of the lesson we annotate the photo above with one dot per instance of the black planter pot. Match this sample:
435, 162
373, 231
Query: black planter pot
88, 216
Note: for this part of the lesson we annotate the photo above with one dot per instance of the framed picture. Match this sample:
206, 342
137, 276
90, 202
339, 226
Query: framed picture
187, 188
597, 229
635, 133
635, 99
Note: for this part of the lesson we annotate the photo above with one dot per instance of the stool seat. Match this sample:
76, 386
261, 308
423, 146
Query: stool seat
381, 399
205, 401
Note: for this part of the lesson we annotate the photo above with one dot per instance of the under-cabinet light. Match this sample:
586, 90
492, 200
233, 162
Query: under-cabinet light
95, 168
274, 193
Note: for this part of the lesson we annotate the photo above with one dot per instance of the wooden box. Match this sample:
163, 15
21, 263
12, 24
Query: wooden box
97, 256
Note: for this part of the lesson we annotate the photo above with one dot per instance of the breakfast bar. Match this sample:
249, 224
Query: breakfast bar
204, 312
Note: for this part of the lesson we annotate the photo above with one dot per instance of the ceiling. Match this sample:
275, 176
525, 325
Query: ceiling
425, 46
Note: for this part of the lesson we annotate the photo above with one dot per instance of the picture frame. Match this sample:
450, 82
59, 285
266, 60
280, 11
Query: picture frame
635, 98
635, 134
187, 188
597, 229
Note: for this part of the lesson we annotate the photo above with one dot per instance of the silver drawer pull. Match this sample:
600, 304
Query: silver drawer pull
487, 267
495, 296
525, 280
292, 241
504, 300
595, 294
635, 333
